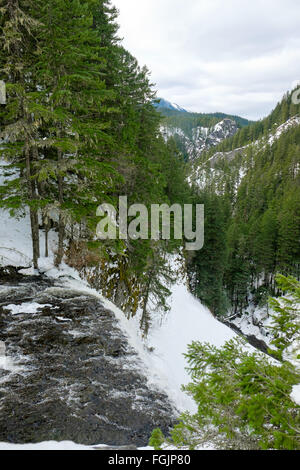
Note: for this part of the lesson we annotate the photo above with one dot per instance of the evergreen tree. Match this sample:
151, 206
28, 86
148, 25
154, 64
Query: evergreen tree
243, 399
18, 30
207, 267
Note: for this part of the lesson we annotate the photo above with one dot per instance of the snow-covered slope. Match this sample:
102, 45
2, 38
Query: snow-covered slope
187, 321
168, 105
282, 129
202, 138
203, 172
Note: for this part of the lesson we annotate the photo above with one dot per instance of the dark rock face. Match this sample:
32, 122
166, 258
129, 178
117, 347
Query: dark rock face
76, 377
223, 130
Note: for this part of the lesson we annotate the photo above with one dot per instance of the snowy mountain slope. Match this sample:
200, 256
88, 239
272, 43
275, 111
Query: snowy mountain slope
170, 106
202, 138
213, 168
275, 135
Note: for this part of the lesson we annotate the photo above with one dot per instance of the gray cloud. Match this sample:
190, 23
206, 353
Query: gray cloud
234, 56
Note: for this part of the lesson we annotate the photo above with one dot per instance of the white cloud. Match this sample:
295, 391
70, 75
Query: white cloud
213, 55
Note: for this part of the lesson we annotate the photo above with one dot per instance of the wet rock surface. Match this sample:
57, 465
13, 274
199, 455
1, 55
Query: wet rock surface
69, 372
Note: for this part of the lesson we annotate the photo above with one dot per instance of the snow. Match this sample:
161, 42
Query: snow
202, 138
199, 175
292, 122
26, 307
15, 234
295, 395
6, 363
178, 108
168, 105
69, 445
256, 322
171, 132
187, 321
15, 240
47, 445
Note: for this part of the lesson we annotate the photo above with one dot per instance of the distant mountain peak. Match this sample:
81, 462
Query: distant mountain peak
168, 105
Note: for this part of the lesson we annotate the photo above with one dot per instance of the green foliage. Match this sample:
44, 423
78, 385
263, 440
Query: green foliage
157, 439
79, 130
206, 267
189, 121
263, 216
265, 229
243, 398
284, 110
286, 319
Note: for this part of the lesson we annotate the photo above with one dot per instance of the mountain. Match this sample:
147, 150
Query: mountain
196, 133
250, 185
235, 161
200, 139
164, 104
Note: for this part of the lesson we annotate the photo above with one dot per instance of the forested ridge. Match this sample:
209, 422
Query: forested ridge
252, 214
188, 121
283, 111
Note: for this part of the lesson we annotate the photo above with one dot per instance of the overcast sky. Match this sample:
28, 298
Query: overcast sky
234, 56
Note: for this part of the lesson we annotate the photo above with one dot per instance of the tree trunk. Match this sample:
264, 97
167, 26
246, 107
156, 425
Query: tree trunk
34, 220
144, 323
61, 224
47, 229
